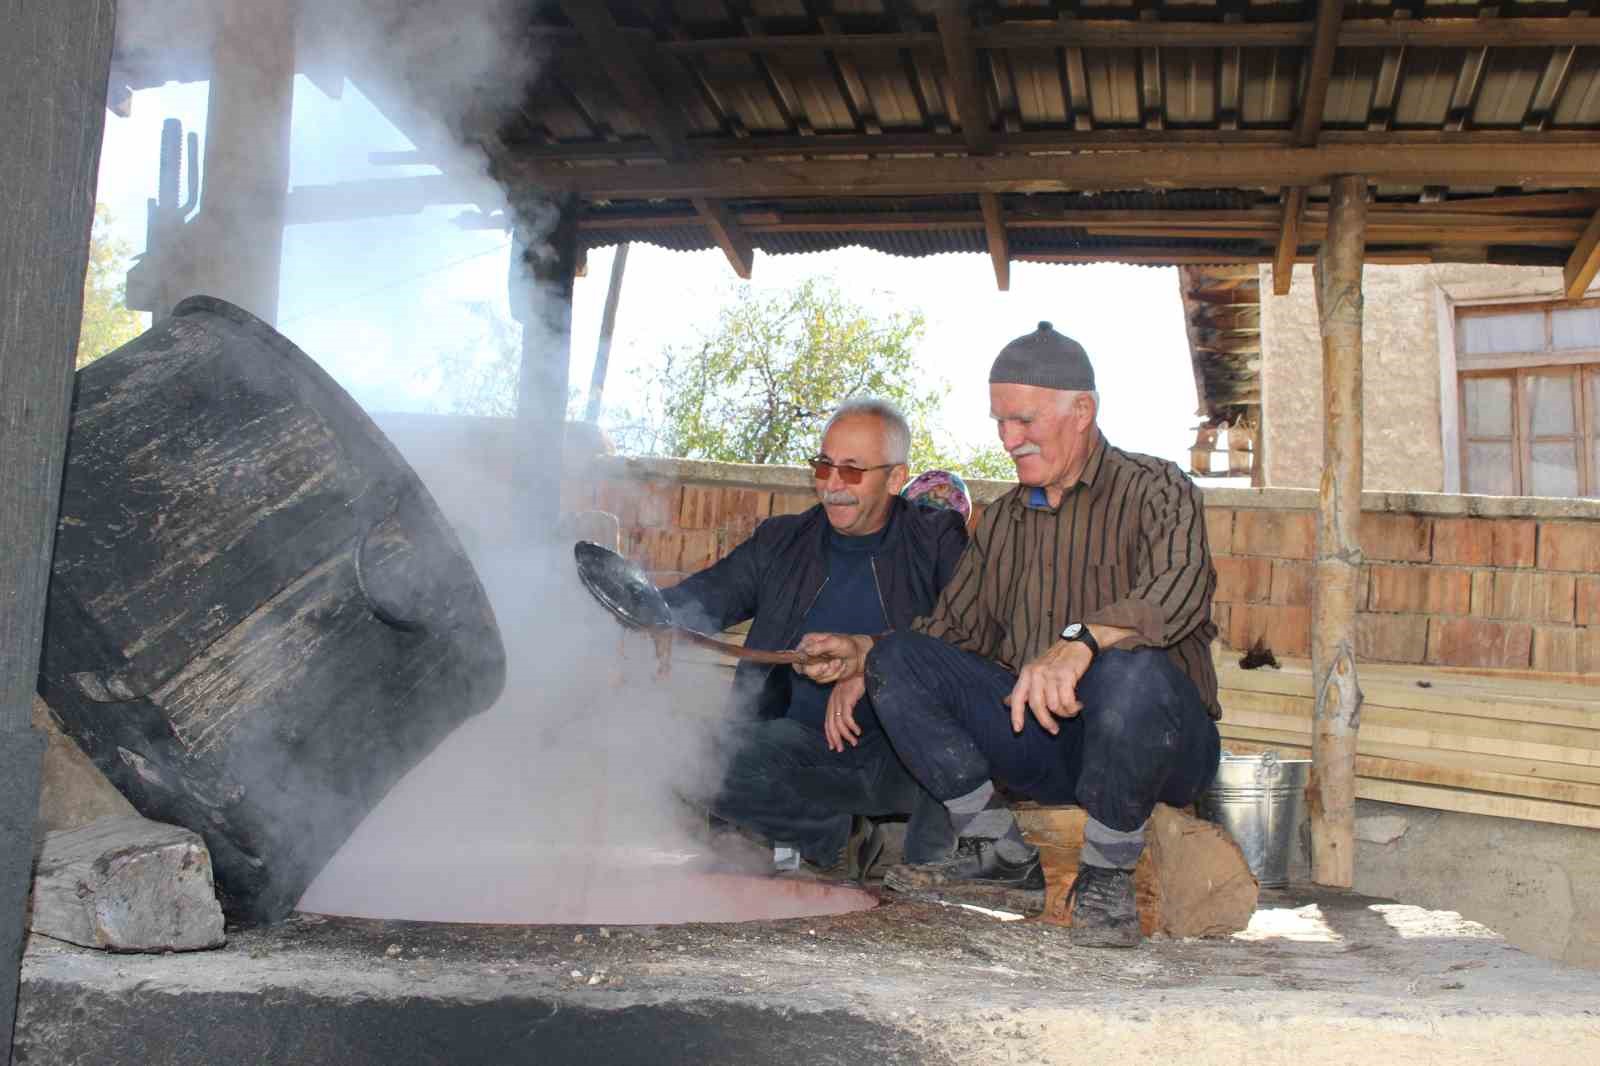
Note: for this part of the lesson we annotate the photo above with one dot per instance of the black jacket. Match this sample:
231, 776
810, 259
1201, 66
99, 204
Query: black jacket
774, 577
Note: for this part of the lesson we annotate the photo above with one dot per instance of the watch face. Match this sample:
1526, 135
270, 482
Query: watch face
1072, 632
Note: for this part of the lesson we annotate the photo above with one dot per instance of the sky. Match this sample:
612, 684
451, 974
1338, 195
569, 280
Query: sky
376, 302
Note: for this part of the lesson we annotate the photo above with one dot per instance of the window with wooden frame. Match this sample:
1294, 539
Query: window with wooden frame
1530, 398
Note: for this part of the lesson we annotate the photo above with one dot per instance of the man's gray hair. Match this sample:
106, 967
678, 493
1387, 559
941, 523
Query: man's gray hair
896, 430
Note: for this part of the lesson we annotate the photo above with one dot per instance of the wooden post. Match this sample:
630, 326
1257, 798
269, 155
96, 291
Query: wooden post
54, 63
1331, 794
608, 322
544, 257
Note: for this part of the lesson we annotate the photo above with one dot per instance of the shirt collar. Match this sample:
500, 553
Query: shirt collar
1036, 499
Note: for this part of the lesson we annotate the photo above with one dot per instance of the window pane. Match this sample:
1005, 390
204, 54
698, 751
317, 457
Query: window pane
1555, 469
1489, 469
1548, 398
1576, 328
1522, 331
1488, 406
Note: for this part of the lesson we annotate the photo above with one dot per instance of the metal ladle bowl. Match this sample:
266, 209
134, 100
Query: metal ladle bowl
625, 590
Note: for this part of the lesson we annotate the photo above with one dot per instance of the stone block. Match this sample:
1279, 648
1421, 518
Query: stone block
1555, 648
1588, 650
1569, 546
1424, 589
1381, 828
1480, 643
1287, 630
1281, 534
1482, 592
1514, 542
1531, 596
1588, 606
1463, 541
700, 550
1219, 530
1192, 879
658, 504
1392, 638
792, 502
72, 790
126, 884
1243, 579
1400, 538
1291, 583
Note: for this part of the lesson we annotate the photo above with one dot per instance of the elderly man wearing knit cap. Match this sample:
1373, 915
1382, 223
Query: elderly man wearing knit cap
1068, 658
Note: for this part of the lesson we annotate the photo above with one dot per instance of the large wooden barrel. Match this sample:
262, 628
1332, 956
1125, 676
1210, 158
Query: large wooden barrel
258, 619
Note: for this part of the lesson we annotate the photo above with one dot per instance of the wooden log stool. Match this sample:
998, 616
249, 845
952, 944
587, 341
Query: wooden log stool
1192, 879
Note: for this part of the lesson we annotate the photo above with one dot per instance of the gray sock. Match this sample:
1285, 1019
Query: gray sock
981, 813
1111, 848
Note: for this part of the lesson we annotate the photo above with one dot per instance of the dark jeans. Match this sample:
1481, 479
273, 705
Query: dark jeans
1142, 737
783, 783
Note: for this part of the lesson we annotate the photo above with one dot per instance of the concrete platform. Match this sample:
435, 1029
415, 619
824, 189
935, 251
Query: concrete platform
1329, 979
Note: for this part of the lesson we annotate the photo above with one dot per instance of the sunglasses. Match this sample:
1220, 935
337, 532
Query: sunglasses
823, 468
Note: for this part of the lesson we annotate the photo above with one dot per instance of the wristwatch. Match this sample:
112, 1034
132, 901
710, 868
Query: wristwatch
1079, 632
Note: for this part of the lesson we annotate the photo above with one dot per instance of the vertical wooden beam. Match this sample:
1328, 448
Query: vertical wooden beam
961, 62
1331, 793
543, 260
608, 323
1294, 205
55, 61
246, 173
1307, 127
729, 235
1584, 262
994, 227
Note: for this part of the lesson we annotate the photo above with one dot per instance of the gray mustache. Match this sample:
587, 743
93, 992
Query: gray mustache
839, 498
1025, 450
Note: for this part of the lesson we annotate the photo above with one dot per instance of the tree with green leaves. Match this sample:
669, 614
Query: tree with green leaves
108, 324
761, 386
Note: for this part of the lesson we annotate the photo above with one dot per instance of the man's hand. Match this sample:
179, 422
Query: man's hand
1048, 686
835, 656
839, 727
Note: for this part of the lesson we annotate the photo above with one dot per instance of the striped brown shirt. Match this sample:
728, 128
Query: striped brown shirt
1126, 548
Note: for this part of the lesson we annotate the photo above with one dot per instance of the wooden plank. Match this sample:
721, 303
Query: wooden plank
1585, 261
1424, 739
55, 61
1434, 722
728, 234
994, 226
1256, 166
1337, 566
1379, 32
1428, 773
933, 142
961, 63
1449, 799
1288, 247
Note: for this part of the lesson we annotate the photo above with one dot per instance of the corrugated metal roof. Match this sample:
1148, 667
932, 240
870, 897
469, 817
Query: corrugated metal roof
791, 81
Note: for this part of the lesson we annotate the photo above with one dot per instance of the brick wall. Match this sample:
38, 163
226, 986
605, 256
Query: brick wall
1448, 580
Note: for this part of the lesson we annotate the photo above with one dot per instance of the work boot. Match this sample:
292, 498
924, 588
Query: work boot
855, 862
976, 862
1104, 911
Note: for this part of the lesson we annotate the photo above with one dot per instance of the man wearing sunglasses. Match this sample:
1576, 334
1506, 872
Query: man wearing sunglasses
1068, 657
814, 764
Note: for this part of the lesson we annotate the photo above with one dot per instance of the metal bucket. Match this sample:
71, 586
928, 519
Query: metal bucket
1260, 800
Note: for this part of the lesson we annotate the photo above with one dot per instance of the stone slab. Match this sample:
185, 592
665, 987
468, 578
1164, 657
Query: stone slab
126, 884
1327, 979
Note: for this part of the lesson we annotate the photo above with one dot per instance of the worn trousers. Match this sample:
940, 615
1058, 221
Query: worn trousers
784, 784
1143, 736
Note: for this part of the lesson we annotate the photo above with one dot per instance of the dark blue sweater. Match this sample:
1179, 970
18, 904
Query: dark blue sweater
848, 602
